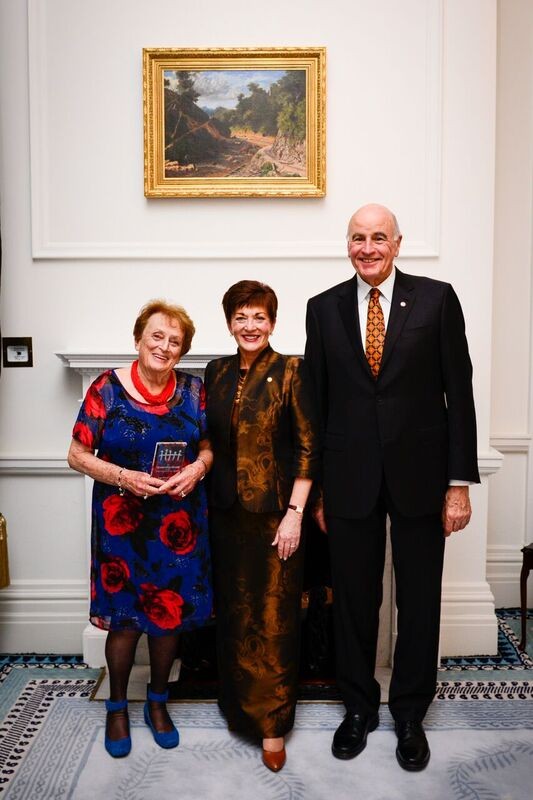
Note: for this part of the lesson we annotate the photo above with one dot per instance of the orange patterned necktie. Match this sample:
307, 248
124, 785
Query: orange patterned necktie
375, 332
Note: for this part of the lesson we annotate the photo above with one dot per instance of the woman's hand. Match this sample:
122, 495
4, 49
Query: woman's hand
141, 484
288, 534
183, 482
83, 459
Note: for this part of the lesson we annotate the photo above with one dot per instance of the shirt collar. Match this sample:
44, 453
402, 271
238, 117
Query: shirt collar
386, 288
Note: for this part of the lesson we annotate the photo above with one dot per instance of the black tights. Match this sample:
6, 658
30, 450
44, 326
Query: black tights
120, 653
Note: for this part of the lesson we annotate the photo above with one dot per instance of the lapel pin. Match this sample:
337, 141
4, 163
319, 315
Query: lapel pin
269, 379
403, 304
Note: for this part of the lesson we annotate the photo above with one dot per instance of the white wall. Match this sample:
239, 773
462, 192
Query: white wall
511, 499
411, 115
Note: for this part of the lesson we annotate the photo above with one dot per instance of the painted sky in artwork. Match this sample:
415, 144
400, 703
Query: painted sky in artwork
222, 87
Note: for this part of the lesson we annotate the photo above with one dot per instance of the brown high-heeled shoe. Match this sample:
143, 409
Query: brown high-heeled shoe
274, 760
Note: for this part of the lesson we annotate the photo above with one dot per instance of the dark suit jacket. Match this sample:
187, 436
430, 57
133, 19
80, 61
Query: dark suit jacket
277, 437
416, 423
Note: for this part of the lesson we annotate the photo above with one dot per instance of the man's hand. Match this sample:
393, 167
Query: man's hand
318, 515
456, 511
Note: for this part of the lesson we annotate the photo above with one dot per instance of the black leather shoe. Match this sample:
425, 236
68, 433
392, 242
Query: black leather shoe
413, 749
350, 737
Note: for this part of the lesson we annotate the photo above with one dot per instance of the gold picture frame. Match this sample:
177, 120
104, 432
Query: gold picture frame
244, 122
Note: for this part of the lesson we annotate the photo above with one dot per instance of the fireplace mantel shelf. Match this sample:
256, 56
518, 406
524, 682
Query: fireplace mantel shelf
98, 362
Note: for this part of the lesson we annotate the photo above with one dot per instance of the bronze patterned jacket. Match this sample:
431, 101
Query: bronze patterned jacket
277, 435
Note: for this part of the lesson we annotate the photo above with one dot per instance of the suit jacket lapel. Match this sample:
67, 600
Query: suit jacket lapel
224, 387
349, 313
403, 300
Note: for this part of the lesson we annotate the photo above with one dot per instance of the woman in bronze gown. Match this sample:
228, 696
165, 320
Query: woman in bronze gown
264, 441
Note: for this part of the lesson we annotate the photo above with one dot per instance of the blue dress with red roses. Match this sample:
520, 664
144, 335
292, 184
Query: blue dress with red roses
150, 560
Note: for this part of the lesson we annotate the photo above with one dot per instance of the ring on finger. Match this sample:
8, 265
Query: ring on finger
183, 494
145, 497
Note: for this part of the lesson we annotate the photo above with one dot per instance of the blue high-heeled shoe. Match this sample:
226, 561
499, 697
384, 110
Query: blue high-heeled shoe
167, 739
118, 748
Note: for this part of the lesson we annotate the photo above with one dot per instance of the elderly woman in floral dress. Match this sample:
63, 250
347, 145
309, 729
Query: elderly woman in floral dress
150, 563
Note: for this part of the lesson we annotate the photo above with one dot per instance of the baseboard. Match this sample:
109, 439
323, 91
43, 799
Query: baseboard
505, 586
468, 622
28, 633
504, 563
51, 616
470, 636
43, 616
94, 648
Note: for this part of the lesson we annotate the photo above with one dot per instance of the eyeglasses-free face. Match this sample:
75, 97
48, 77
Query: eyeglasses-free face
160, 344
372, 246
251, 327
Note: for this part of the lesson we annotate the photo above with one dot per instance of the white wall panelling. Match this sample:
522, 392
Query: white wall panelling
35, 465
42, 612
412, 121
509, 521
511, 498
45, 607
67, 51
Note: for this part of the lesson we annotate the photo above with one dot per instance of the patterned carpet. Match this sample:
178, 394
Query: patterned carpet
51, 748
480, 728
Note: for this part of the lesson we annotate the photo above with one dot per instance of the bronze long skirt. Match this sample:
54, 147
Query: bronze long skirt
257, 602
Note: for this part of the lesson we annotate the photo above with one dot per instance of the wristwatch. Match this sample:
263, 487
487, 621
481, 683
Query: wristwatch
298, 509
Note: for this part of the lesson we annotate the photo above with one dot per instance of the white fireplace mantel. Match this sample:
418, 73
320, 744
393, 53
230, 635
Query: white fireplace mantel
97, 362
90, 365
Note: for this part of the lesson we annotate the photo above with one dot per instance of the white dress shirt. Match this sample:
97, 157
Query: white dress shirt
385, 299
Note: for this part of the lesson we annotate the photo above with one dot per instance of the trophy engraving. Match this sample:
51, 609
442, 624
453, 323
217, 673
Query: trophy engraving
168, 459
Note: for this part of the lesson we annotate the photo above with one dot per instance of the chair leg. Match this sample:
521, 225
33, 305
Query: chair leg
524, 573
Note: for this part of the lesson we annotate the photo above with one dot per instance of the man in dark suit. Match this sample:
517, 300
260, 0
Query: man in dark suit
389, 360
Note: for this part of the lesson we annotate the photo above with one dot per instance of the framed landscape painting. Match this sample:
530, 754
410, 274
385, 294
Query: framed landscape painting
244, 122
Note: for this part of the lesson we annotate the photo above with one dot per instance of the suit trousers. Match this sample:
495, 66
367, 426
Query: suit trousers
357, 548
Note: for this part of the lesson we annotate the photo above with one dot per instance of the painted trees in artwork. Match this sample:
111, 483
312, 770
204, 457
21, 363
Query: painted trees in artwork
262, 134
280, 110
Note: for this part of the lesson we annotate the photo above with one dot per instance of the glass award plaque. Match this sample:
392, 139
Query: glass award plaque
168, 459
